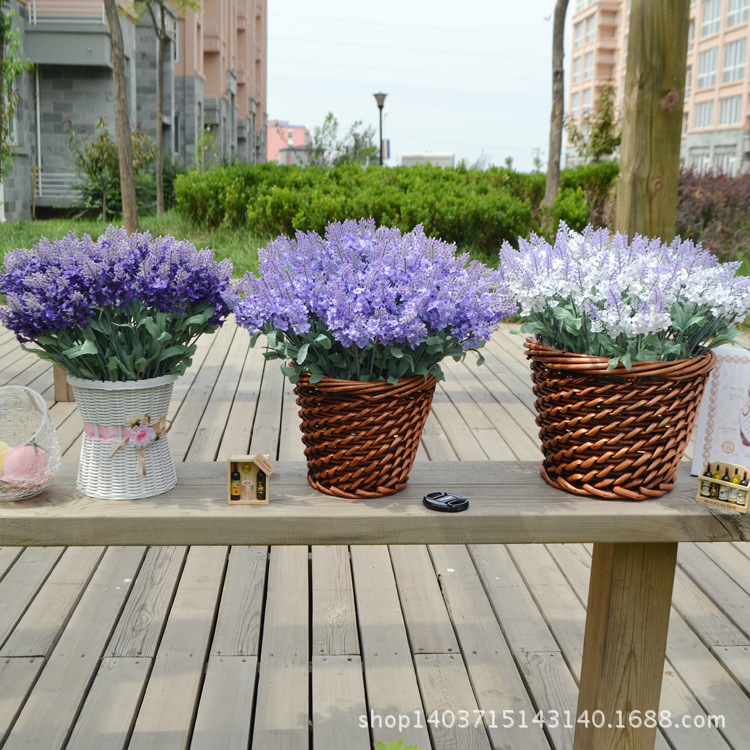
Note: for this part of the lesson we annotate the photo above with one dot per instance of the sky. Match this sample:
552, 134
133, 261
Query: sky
468, 77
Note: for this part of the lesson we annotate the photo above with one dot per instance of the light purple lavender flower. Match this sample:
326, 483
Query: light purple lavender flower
368, 287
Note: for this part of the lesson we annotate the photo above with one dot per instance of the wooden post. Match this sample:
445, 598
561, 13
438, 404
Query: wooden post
630, 595
652, 118
61, 390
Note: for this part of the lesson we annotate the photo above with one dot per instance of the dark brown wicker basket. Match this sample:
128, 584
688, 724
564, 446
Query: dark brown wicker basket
617, 434
361, 438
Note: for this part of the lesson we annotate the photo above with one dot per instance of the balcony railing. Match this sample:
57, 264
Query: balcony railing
57, 11
53, 184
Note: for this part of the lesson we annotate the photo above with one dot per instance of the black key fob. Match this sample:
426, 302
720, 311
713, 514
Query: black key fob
449, 502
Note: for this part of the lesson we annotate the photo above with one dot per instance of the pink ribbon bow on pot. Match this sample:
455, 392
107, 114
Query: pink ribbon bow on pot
143, 432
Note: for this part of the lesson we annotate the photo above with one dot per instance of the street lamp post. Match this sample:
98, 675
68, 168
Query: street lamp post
380, 99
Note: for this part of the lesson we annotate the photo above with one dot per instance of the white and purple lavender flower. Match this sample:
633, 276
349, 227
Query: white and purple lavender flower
369, 304
600, 294
116, 308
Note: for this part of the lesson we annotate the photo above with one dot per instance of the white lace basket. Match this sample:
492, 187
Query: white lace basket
29, 449
106, 409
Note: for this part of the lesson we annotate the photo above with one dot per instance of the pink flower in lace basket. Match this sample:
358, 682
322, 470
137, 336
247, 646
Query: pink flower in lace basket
142, 435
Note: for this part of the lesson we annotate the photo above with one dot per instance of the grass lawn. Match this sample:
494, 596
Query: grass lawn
241, 246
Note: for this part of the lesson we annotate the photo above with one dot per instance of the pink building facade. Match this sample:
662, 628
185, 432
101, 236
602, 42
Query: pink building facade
716, 113
221, 78
286, 143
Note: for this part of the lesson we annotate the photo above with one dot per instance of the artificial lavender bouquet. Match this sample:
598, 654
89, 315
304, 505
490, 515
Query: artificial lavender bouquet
369, 304
116, 308
600, 294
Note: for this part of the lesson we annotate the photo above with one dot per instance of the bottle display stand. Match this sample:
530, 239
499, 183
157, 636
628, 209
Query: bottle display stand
248, 479
717, 491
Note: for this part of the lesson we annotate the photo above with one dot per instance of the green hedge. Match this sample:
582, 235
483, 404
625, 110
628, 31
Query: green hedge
475, 209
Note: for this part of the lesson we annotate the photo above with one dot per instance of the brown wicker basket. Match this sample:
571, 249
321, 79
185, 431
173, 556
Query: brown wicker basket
361, 438
617, 434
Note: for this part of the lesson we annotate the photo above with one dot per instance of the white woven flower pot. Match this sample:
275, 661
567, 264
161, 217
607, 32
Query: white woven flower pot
111, 405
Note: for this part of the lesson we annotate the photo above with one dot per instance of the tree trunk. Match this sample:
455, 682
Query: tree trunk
3, 133
122, 122
558, 104
652, 119
161, 40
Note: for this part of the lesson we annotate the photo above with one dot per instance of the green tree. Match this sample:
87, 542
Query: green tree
12, 65
97, 158
327, 150
599, 132
160, 11
558, 104
122, 120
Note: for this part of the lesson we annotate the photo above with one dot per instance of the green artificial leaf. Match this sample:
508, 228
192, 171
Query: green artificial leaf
199, 318
301, 355
87, 347
322, 340
152, 328
396, 352
178, 350
290, 372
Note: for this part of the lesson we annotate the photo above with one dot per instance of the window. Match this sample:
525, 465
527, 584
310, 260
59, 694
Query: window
577, 69
711, 20
688, 81
590, 28
580, 5
737, 12
588, 66
574, 100
729, 110
699, 158
704, 114
176, 144
176, 42
725, 160
290, 138
578, 35
734, 61
586, 99
685, 123
707, 68
691, 35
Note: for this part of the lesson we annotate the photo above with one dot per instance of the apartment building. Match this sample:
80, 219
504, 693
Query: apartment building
287, 143
716, 114
214, 87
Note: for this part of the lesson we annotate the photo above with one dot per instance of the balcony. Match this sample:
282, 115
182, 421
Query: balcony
70, 33
212, 38
241, 18
55, 188
52, 11
241, 74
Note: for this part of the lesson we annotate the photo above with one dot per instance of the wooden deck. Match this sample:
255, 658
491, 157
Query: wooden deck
288, 647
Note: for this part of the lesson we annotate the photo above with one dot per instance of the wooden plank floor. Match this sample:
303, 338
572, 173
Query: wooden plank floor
329, 647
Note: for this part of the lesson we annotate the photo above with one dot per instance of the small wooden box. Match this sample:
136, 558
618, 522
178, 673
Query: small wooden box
723, 494
250, 491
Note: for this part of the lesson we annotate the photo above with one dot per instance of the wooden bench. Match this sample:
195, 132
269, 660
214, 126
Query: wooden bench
632, 573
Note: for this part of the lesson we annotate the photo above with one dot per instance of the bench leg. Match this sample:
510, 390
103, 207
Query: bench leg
62, 391
630, 595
